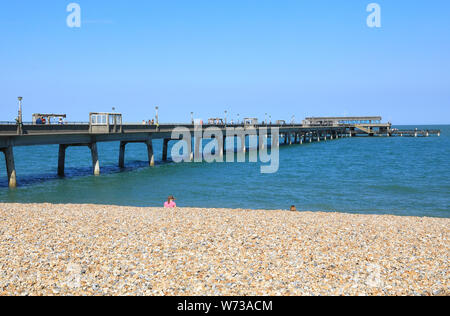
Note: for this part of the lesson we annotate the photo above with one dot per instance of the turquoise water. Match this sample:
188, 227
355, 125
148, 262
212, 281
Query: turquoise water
400, 176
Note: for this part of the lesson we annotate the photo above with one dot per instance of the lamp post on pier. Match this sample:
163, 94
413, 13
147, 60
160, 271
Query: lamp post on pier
226, 113
19, 117
192, 118
157, 115
20, 110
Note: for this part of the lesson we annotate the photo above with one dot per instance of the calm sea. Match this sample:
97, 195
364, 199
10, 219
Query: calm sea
400, 176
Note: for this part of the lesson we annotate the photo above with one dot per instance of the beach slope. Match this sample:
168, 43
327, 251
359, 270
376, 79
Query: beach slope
110, 250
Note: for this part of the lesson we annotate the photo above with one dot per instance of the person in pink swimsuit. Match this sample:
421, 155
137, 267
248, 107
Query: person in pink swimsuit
170, 202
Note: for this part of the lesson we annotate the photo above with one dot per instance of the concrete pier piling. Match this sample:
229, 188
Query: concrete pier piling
275, 142
243, 145
165, 149
262, 141
191, 152
61, 160
150, 153
10, 166
221, 143
122, 154
198, 156
95, 161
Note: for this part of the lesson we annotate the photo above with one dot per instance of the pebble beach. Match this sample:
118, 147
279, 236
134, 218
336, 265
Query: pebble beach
113, 250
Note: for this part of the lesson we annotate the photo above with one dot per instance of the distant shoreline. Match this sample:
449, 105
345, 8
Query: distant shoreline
70, 249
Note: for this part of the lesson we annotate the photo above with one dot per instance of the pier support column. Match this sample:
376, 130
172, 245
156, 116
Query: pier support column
221, 144
151, 155
290, 139
262, 142
62, 160
198, 156
243, 144
95, 161
191, 152
122, 154
165, 149
10, 166
275, 141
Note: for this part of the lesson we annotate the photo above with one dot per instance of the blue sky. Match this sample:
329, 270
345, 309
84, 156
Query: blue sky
302, 58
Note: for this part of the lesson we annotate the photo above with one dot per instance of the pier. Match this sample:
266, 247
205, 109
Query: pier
108, 127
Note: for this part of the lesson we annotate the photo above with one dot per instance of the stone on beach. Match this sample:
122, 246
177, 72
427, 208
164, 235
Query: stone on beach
110, 250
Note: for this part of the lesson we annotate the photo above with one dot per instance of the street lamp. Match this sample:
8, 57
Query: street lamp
226, 112
20, 110
270, 118
157, 115
192, 118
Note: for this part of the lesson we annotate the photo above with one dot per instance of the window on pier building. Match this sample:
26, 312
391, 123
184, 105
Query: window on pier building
98, 119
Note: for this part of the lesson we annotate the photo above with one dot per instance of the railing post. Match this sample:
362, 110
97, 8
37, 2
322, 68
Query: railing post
10, 166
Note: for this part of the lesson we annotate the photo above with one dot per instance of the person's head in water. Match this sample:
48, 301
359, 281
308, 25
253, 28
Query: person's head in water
171, 199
